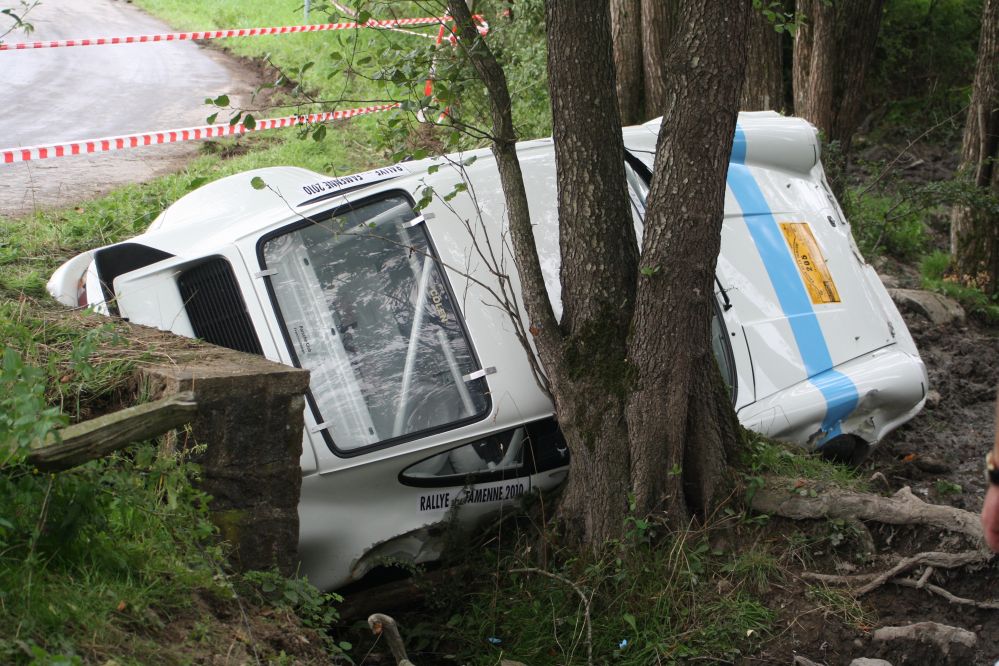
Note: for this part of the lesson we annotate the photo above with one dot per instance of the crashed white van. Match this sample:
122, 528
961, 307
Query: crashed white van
422, 401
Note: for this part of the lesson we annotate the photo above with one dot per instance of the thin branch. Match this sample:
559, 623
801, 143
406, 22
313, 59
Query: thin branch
582, 596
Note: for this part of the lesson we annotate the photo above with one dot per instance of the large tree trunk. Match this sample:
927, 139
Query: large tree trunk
626, 31
975, 232
763, 89
599, 263
659, 25
832, 50
681, 412
680, 421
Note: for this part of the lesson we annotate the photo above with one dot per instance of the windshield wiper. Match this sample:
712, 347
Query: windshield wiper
728, 303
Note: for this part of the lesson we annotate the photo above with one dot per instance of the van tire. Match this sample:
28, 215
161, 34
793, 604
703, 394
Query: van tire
846, 449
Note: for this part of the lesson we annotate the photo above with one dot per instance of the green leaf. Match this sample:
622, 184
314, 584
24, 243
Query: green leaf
470, 161
211, 119
257, 183
433, 168
221, 100
319, 133
630, 620
249, 122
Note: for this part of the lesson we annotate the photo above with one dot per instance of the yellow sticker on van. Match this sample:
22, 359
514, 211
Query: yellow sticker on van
811, 264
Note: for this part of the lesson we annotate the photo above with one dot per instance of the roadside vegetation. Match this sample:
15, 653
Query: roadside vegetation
116, 561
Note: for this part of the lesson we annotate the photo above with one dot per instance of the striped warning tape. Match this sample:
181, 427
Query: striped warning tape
87, 146
223, 34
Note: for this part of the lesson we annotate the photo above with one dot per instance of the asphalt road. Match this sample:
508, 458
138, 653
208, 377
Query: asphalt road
64, 94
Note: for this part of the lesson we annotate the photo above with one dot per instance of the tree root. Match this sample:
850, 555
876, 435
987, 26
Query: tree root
932, 559
902, 508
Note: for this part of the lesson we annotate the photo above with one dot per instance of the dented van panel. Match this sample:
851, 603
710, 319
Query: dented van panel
423, 407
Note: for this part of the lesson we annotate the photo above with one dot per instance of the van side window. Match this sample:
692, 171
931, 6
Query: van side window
365, 307
524, 450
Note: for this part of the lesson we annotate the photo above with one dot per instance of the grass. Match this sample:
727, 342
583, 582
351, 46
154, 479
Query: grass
935, 267
675, 600
767, 457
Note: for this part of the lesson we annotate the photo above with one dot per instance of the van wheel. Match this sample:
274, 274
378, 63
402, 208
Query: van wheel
846, 449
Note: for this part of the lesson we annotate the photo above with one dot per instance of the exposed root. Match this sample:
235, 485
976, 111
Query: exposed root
902, 508
932, 559
953, 598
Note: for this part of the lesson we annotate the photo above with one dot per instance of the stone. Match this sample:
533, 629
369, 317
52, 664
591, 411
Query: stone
926, 643
939, 309
932, 399
804, 661
250, 417
867, 661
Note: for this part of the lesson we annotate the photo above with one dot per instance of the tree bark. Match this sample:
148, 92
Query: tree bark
763, 89
833, 48
680, 420
974, 231
659, 26
604, 348
599, 256
626, 32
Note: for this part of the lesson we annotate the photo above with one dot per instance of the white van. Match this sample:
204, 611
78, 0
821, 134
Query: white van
422, 403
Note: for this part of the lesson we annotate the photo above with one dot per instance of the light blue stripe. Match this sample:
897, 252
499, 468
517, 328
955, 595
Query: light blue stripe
838, 390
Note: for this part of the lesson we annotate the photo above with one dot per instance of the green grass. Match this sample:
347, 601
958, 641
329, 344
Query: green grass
767, 457
661, 603
934, 268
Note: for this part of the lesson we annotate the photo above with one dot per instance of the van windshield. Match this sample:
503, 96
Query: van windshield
366, 309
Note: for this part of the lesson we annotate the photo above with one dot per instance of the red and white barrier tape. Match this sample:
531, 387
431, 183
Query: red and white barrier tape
218, 34
238, 32
87, 146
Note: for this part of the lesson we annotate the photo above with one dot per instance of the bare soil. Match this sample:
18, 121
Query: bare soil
940, 456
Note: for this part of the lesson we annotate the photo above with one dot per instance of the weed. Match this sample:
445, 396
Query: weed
841, 605
944, 487
764, 456
977, 303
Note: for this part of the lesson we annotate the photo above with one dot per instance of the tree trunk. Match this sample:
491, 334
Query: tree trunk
659, 25
832, 50
626, 32
974, 233
763, 89
599, 256
680, 420
584, 354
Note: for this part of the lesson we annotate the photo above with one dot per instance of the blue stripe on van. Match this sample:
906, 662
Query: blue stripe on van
838, 390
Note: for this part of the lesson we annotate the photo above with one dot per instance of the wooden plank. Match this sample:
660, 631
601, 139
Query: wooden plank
98, 437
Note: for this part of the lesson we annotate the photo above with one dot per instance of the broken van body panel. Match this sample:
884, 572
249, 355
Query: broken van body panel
423, 405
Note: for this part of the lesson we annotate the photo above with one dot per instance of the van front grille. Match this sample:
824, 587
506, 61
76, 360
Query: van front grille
216, 307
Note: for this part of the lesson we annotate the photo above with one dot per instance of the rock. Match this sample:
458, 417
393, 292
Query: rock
889, 281
866, 661
932, 399
804, 661
510, 662
931, 465
927, 643
939, 309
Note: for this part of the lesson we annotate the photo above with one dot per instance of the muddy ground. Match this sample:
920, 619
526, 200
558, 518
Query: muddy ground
940, 456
